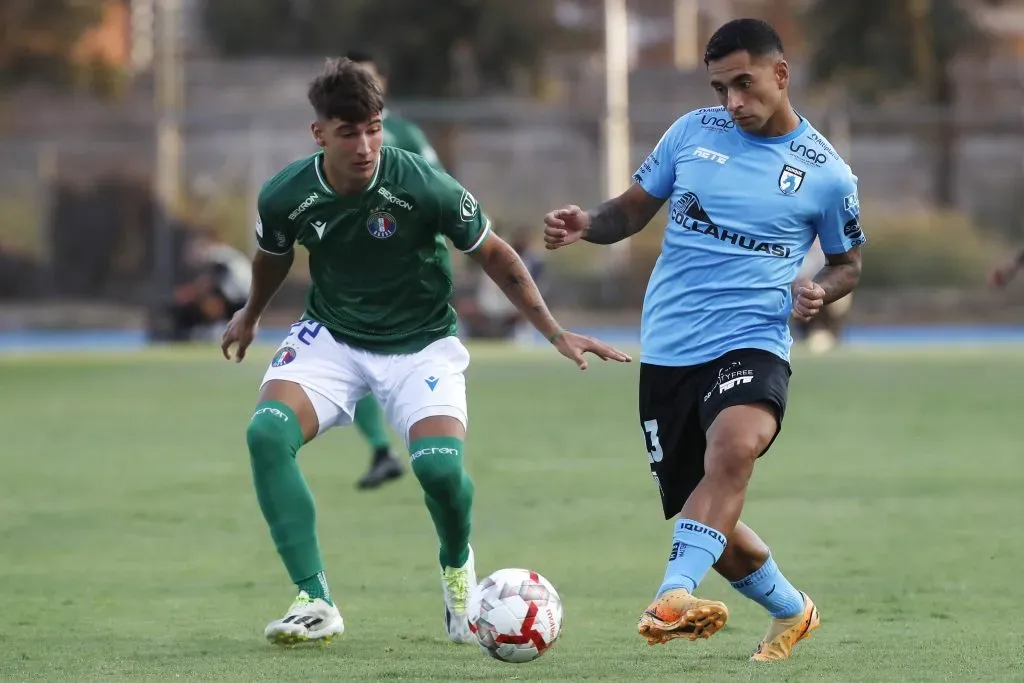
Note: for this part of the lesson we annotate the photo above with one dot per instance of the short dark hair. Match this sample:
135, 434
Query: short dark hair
346, 91
751, 35
364, 56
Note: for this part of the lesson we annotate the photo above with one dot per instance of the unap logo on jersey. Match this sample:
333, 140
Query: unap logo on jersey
382, 225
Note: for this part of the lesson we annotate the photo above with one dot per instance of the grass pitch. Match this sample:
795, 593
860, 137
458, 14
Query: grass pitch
132, 548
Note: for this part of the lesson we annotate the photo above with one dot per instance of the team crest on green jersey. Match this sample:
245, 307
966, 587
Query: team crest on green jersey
382, 225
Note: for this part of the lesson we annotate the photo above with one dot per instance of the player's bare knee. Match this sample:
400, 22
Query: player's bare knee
731, 454
437, 426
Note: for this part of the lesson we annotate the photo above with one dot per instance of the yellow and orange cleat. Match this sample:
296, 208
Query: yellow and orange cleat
783, 634
677, 614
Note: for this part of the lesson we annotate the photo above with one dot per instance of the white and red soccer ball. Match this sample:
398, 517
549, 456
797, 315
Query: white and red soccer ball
516, 615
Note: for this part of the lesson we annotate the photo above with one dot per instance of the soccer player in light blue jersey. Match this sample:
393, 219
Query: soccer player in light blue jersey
751, 184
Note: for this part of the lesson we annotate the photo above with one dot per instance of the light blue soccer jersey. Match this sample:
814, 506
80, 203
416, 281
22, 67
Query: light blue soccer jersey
743, 212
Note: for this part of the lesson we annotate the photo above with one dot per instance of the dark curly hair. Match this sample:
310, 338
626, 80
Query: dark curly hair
345, 91
751, 35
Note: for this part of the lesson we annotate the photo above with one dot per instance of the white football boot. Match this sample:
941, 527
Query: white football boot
458, 584
308, 619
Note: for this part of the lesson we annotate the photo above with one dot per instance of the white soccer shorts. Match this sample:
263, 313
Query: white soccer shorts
335, 376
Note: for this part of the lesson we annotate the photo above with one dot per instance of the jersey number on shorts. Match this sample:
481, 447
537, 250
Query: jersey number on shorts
654, 452
308, 329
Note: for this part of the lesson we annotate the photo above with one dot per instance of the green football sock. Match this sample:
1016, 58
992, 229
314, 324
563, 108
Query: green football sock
437, 463
274, 437
316, 587
370, 423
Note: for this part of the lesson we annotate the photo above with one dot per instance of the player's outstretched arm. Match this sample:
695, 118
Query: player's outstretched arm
268, 274
503, 265
613, 221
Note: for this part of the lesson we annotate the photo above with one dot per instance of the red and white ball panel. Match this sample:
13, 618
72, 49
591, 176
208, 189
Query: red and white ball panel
516, 615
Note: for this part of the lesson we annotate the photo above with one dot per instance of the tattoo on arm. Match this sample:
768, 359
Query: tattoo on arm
840, 274
622, 216
609, 223
503, 265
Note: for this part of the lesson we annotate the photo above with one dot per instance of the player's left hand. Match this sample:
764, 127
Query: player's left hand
573, 346
808, 299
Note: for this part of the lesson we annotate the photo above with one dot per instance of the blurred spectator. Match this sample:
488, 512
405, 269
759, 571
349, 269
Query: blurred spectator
822, 333
487, 313
217, 285
1002, 275
398, 132
19, 276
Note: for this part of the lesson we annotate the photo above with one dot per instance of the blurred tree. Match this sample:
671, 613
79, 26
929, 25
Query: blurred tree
434, 47
38, 40
279, 27
874, 47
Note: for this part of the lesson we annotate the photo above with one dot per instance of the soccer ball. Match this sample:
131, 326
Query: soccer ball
516, 615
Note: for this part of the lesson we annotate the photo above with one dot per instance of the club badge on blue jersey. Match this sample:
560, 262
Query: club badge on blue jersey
790, 179
382, 225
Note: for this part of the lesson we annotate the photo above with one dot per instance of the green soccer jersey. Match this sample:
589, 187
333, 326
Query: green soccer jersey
404, 134
380, 268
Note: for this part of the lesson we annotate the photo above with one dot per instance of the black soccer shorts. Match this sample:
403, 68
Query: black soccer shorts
678, 405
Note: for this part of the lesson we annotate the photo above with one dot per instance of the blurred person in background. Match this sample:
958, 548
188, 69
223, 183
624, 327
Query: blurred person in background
216, 288
822, 332
369, 419
1002, 275
486, 313
398, 132
19, 276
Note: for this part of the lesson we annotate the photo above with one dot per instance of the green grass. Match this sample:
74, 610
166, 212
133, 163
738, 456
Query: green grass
131, 546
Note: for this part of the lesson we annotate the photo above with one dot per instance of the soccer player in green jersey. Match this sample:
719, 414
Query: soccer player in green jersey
378, 321
404, 134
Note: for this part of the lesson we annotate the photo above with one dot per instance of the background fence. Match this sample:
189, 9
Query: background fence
79, 222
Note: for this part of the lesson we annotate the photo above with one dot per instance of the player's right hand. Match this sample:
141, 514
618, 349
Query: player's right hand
573, 346
564, 226
241, 330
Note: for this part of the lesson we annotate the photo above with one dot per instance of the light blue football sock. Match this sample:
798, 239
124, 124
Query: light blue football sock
695, 547
770, 589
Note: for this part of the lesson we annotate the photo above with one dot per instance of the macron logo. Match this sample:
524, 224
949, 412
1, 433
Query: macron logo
279, 414
432, 382
433, 451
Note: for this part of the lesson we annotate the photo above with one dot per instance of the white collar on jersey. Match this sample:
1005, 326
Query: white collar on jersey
322, 176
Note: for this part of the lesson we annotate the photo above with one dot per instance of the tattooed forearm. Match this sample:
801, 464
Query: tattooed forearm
610, 223
503, 265
840, 275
